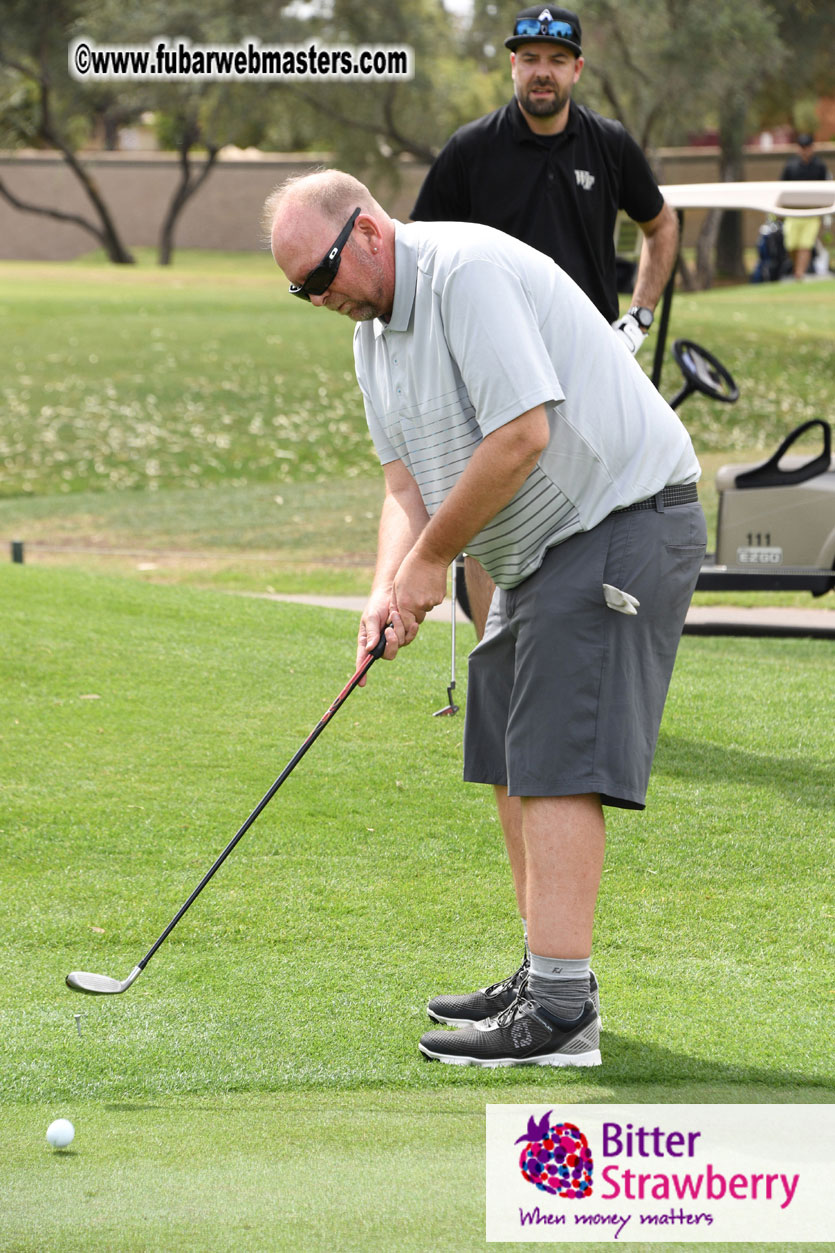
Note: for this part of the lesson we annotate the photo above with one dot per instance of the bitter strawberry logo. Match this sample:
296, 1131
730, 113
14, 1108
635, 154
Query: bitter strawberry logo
556, 1158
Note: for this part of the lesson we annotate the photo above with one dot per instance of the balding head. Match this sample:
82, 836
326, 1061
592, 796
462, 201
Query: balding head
329, 193
304, 216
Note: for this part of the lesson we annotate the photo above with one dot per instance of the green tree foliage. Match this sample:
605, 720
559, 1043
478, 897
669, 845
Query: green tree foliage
806, 30
685, 66
668, 75
667, 72
370, 126
42, 106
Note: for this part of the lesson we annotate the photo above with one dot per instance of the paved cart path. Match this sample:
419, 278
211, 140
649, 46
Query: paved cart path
701, 619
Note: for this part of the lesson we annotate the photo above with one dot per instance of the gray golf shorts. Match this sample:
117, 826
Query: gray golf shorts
565, 694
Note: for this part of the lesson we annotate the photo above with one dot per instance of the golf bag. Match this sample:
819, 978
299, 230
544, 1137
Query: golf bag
772, 258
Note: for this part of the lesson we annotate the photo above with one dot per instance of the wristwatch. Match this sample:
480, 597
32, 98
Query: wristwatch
642, 315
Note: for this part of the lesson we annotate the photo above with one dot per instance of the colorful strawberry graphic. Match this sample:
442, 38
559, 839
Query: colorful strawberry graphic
556, 1159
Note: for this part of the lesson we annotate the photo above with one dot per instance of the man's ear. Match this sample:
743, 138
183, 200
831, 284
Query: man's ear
366, 226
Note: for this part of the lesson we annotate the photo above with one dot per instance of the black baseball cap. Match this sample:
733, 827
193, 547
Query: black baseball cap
805, 141
545, 24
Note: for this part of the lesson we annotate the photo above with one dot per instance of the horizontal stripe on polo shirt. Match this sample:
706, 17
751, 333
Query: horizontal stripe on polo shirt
513, 543
537, 518
437, 455
433, 441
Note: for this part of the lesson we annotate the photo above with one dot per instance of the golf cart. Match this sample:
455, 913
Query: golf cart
776, 524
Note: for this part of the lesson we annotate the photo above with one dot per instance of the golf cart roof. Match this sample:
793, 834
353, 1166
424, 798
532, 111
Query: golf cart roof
783, 199
791, 199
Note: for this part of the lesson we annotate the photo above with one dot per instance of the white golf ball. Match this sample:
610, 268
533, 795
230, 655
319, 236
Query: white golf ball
60, 1133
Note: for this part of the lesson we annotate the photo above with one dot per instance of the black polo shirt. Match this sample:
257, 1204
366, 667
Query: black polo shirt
559, 193
798, 169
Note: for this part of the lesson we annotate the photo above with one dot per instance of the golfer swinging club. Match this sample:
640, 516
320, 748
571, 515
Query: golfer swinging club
511, 421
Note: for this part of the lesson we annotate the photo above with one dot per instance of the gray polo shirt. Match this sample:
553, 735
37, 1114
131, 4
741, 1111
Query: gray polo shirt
483, 328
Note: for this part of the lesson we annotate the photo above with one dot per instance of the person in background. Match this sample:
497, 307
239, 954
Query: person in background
554, 174
800, 234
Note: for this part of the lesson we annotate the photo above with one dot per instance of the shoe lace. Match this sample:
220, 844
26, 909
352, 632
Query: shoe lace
519, 976
508, 1016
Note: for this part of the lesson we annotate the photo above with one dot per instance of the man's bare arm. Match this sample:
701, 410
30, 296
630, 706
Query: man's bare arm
658, 256
402, 519
497, 470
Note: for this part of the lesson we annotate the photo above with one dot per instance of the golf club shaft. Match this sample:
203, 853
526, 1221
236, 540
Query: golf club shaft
453, 599
376, 652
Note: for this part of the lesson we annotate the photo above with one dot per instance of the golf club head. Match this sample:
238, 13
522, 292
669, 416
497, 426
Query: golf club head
100, 985
451, 708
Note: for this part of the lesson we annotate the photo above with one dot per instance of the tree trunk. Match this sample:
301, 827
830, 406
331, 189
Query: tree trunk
688, 278
113, 246
706, 250
730, 262
188, 186
110, 127
105, 232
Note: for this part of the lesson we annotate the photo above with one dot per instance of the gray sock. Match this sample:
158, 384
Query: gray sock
559, 985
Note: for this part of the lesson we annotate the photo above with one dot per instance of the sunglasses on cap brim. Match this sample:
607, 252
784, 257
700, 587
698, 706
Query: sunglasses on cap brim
322, 275
556, 30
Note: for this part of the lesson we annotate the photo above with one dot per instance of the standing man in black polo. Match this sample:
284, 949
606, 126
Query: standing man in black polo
554, 174
800, 234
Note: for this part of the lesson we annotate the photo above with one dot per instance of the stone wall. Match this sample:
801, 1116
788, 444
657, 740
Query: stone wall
225, 213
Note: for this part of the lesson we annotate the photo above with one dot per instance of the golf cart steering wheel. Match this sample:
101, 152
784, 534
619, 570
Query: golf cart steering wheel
702, 373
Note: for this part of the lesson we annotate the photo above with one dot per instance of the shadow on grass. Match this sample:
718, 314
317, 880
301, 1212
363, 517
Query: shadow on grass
630, 1060
130, 1107
720, 763
635, 1065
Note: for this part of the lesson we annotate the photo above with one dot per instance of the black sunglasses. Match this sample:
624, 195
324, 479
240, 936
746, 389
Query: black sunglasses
322, 275
531, 26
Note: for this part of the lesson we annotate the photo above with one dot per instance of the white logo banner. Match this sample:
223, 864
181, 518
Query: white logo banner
660, 1173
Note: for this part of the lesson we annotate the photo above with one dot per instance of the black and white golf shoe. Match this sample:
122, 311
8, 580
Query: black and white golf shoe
524, 1034
473, 1007
482, 1008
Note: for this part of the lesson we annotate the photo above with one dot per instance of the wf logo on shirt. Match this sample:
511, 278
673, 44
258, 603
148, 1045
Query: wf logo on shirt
584, 179
556, 1159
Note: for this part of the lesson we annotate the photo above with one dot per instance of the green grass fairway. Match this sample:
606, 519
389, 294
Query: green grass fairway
123, 378
354, 1173
259, 1087
197, 424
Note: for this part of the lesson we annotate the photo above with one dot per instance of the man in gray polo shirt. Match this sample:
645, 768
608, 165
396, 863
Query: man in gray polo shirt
511, 421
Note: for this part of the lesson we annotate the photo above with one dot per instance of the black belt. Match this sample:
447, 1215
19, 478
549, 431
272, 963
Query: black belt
678, 494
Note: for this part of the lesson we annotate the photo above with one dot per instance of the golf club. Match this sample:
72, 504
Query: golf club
103, 985
451, 707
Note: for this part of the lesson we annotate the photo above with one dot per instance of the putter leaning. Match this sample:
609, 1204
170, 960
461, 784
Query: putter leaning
451, 708
103, 985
